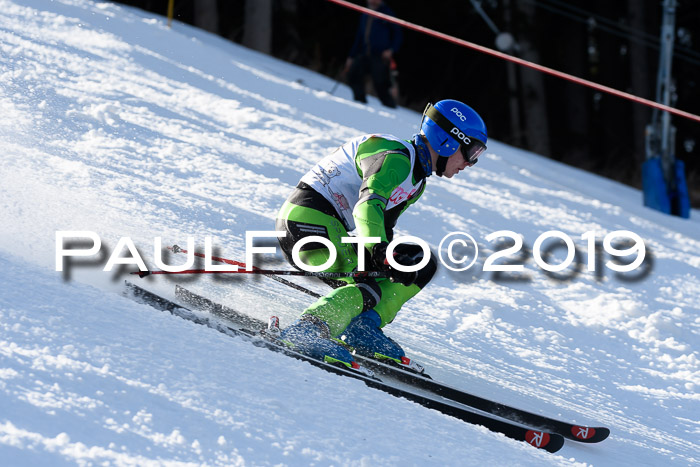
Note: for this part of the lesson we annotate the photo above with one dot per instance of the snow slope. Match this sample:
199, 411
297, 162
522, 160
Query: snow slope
113, 123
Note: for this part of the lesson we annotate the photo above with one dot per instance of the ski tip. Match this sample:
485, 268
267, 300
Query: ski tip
141, 274
586, 434
550, 442
556, 442
603, 433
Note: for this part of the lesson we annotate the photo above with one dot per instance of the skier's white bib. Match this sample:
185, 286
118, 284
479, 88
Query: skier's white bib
337, 179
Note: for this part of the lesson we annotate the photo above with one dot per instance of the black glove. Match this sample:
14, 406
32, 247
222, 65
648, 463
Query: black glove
380, 263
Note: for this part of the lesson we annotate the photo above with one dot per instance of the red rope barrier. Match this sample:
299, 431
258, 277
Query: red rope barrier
519, 61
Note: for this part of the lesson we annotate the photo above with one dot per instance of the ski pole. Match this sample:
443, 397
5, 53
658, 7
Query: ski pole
177, 249
278, 272
335, 86
338, 78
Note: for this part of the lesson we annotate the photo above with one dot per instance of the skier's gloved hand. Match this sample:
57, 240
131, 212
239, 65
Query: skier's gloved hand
380, 262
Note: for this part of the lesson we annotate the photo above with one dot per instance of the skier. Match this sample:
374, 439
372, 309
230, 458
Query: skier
365, 185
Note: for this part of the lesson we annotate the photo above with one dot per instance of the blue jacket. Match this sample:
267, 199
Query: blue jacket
382, 35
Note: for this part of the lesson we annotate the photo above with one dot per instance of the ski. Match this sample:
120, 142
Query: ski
572, 431
547, 441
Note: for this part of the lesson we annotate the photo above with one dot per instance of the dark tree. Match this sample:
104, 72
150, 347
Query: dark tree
206, 15
257, 30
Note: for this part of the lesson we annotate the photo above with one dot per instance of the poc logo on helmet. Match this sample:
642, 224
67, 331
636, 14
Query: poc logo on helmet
459, 114
455, 131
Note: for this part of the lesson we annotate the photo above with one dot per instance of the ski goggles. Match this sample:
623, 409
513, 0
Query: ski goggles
471, 147
472, 151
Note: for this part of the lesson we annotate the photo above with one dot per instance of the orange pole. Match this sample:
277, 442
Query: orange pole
171, 9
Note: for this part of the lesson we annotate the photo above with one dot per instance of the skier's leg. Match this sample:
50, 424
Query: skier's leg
356, 78
311, 337
366, 337
340, 306
331, 314
364, 333
302, 221
381, 78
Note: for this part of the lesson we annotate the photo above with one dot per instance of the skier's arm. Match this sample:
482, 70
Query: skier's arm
381, 173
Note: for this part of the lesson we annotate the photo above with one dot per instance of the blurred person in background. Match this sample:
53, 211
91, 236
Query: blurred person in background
373, 51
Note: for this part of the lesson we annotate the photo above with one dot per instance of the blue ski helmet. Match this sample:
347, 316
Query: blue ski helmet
449, 124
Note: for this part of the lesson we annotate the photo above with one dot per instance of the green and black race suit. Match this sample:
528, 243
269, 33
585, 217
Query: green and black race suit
364, 186
369, 181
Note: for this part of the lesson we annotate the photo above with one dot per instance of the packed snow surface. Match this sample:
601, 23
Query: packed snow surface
111, 122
